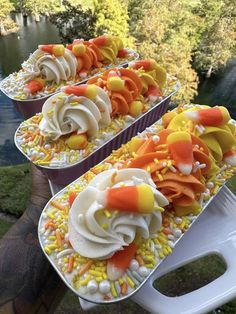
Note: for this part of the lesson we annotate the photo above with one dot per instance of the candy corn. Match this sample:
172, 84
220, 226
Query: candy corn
89, 91
56, 50
104, 40
120, 261
136, 199
210, 116
180, 146
230, 157
34, 86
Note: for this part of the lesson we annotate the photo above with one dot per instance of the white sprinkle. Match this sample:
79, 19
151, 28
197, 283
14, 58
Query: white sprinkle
177, 232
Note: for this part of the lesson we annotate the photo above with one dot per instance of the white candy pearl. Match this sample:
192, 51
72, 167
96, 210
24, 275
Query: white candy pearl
177, 232
143, 271
133, 265
104, 286
92, 286
47, 146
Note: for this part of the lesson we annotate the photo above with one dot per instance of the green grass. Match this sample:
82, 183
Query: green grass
15, 188
4, 226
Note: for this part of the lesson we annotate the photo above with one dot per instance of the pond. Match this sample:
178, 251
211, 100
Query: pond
15, 48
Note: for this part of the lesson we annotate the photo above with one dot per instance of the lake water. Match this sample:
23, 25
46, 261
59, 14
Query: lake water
15, 48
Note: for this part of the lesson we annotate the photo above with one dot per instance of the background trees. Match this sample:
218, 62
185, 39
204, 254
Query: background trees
188, 37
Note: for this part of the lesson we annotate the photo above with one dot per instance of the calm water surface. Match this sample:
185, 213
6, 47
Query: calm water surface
15, 48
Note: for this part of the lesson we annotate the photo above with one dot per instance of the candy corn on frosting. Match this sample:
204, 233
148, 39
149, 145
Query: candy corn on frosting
52, 66
108, 231
79, 120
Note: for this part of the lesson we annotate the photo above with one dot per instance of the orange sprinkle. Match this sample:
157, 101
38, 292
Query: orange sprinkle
166, 231
113, 177
124, 287
58, 237
41, 141
50, 224
140, 260
58, 205
70, 264
85, 267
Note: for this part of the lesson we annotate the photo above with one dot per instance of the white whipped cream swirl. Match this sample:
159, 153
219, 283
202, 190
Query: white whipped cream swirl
50, 67
63, 114
86, 234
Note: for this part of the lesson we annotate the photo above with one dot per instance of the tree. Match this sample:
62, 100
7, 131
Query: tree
112, 17
74, 22
6, 23
37, 7
168, 32
218, 41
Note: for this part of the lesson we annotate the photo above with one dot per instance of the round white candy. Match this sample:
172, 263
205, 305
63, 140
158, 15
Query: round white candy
47, 146
143, 271
104, 286
92, 286
133, 265
177, 232
178, 220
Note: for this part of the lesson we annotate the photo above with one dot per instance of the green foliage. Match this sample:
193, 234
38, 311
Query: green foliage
4, 226
218, 42
15, 189
74, 22
6, 23
112, 17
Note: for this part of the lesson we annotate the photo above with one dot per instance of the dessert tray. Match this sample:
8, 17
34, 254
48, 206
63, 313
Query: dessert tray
51, 67
108, 231
68, 163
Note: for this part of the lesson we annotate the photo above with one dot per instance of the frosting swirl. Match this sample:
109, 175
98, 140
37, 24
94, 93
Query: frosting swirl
51, 67
64, 114
87, 234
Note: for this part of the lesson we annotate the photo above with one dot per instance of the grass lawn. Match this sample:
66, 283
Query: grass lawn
14, 194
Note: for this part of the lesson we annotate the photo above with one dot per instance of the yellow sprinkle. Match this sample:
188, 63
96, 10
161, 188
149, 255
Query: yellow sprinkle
163, 171
113, 290
120, 280
169, 163
52, 246
99, 279
47, 250
165, 251
107, 213
74, 103
95, 273
52, 238
51, 216
104, 276
160, 177
148, 169
130, 281
156, 161
161, 255
105, 226
150, 258
150, 265
85, 281
134, 154
63, 227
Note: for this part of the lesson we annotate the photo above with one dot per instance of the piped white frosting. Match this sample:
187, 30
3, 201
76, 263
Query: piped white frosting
86, 234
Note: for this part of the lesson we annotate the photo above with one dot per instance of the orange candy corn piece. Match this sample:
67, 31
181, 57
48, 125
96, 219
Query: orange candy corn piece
35, 85
89, 91
56, 50
180, 146
103, 40
136, 199
145, 64
120, 261
210, 116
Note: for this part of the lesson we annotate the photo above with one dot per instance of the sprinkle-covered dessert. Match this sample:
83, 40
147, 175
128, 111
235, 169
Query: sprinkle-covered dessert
52, 66
79, 120
108, 231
